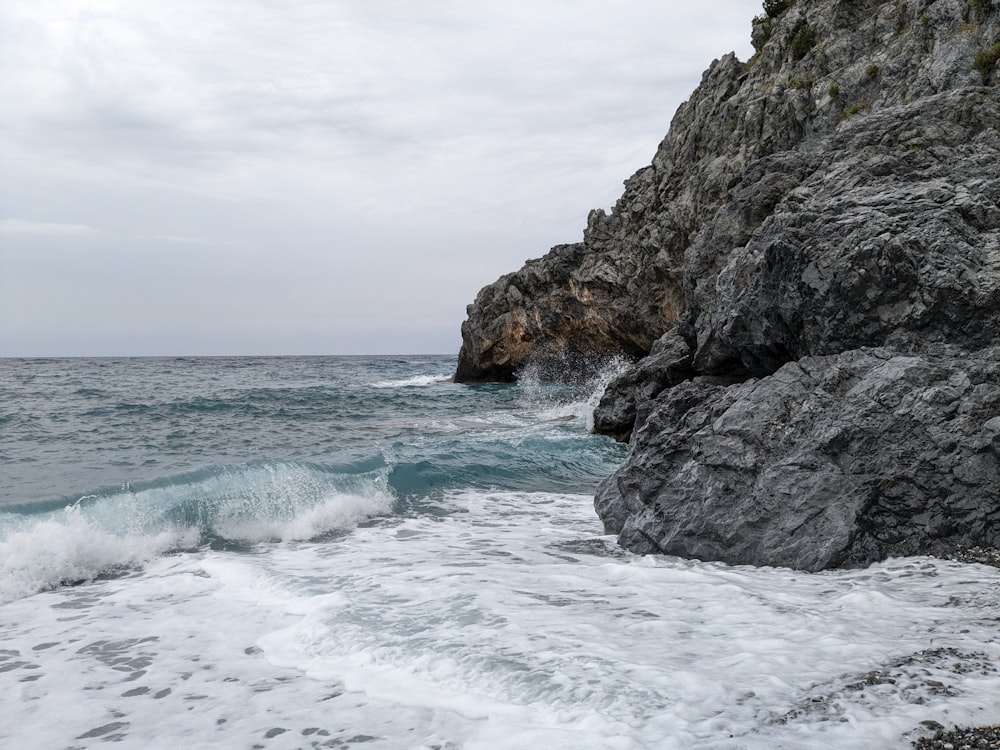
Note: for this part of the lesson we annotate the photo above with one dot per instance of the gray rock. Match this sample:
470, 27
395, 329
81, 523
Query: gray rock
892, 239
838, 460
801, 203
628, 398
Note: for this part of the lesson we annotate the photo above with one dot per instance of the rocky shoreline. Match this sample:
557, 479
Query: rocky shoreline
962, 738
988, 556
807, 276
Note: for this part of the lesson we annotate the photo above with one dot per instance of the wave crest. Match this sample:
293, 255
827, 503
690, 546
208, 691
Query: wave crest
417, 381
117, 530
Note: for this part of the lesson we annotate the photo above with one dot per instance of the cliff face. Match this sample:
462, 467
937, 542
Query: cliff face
840, 190
878, 115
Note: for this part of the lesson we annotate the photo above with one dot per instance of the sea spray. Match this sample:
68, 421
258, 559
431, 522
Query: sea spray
68, 547
571, 387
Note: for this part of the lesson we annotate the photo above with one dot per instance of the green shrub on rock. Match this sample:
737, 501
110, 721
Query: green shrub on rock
804, 41
774, 8
982, 9
762, 27
986, 60
856, 108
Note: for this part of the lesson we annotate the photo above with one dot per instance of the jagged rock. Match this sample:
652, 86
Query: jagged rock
892, 238
878, 167
567, 303
790, 193
831, 461
627, 399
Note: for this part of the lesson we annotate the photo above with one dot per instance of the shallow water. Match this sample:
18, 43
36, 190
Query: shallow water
351, 552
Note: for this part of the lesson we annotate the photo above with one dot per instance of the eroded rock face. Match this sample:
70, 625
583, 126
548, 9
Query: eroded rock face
875, 218
892, 238
814, 199
831, 461
574, 301
563, 304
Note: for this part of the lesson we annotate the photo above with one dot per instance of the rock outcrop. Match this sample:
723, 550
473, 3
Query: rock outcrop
564, 305
831, 461
630, 399
840, 190
878, 116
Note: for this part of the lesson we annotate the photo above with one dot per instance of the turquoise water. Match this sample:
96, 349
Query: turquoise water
356, 552
74, 427
234, 450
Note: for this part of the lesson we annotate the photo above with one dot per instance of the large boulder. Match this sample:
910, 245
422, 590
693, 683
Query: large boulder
836, 460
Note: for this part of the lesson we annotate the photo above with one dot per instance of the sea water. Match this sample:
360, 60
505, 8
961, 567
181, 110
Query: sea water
355, 552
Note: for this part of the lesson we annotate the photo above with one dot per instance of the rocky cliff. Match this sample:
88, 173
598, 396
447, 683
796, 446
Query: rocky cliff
840, 190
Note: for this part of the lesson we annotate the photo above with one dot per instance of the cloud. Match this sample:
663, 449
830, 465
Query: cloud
177, 240
400, 152
20, 226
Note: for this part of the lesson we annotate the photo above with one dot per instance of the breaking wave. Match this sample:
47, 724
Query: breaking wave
113, 531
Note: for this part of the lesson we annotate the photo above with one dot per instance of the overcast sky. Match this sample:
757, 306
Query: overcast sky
314, 176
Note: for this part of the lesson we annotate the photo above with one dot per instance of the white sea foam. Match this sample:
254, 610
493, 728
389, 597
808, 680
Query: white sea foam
69, 547
508, 623
417, 381
107, 535
340, 511
527, 641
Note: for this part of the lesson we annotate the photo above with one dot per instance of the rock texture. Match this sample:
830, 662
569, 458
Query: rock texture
878, 141
564, 305
631, 397
831, 461
840, 190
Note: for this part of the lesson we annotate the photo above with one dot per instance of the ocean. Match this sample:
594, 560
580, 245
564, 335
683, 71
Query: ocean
354, 552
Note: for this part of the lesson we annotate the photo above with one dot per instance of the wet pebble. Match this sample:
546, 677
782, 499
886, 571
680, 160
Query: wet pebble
962, 738
981, 555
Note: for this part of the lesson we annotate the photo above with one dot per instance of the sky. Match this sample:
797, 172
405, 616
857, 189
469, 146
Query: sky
224, 177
